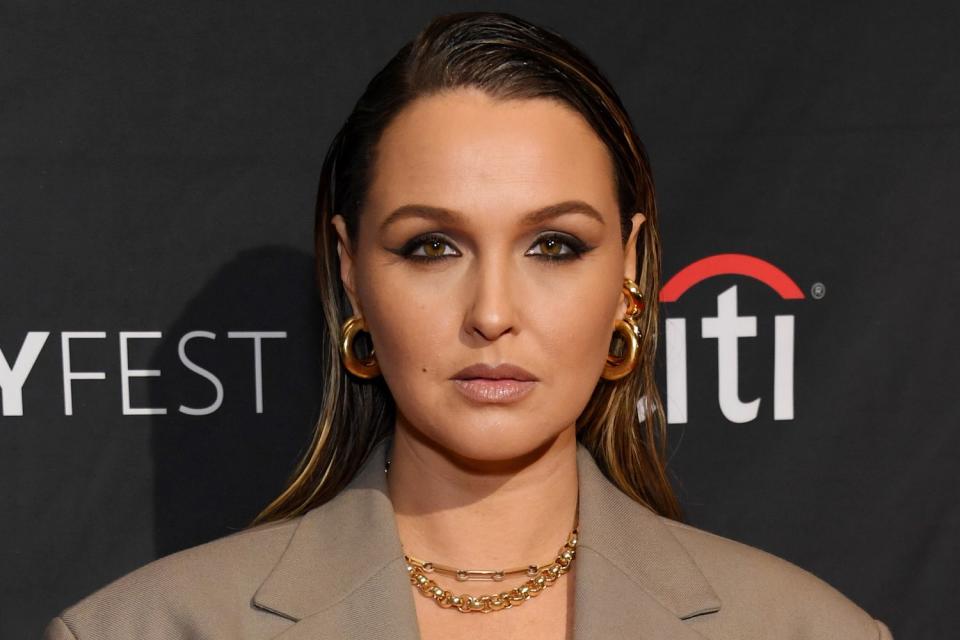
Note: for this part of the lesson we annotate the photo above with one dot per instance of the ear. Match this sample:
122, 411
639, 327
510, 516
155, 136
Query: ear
345, 253
630, 257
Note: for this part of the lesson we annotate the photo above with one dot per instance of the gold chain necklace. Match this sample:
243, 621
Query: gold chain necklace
540, 577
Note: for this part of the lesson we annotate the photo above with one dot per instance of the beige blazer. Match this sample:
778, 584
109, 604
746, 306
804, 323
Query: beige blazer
338, 572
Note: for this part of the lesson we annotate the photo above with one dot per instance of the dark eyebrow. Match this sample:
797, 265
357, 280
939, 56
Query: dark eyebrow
448, 216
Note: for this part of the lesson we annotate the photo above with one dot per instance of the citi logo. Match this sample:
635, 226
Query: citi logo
727, 327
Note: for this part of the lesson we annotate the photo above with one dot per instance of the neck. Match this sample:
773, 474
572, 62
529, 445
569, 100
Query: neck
475, 514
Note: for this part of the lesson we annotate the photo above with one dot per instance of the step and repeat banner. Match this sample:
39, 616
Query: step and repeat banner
158, 167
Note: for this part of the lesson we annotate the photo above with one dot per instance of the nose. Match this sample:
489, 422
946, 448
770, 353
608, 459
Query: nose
491, 312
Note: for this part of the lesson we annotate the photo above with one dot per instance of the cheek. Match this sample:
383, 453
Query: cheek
414, 336
574, 329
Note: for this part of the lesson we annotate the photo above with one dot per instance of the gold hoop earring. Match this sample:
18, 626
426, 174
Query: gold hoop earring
365, 368
620, 366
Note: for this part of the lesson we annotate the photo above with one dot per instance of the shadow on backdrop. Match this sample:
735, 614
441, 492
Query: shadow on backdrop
213, 473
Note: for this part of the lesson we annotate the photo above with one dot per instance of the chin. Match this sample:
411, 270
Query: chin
489, 441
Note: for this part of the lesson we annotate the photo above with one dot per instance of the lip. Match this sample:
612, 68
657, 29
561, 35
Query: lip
494, 391
499, 384
502, 371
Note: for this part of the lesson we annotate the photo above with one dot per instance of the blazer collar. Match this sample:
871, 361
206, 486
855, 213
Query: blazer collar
342, 573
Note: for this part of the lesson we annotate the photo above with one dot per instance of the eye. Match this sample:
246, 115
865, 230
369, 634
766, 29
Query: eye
428, 248
555, 246
432, 247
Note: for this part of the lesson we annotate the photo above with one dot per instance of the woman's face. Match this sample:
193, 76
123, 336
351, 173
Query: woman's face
491, 235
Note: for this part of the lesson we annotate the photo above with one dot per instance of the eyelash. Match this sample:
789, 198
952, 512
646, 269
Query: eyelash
577, 248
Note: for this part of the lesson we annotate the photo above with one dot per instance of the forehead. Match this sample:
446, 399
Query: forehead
466, 150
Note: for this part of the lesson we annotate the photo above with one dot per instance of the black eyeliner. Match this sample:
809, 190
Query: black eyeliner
577, 247
407, 249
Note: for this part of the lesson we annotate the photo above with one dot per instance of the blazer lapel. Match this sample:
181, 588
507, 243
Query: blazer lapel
633, 578
342, 574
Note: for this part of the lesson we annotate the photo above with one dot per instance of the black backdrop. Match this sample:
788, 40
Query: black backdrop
158, 174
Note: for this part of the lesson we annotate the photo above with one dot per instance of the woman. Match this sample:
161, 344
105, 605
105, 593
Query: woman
488, 259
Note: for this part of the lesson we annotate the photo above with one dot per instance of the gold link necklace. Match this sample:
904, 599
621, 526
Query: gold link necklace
540, 577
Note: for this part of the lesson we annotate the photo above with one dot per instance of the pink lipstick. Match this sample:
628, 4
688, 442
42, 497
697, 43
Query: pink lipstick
494, 384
